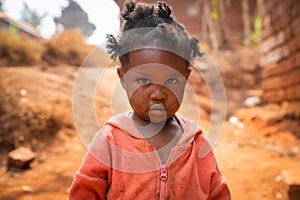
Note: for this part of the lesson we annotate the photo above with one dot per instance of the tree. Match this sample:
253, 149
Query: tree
32, 16
213, 23
208, 26
73, 17
218, 15
246, 23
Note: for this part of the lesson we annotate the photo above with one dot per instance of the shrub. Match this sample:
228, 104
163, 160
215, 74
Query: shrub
67, 47
16, 51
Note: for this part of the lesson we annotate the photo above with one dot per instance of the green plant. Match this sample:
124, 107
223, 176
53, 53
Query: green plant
257, 31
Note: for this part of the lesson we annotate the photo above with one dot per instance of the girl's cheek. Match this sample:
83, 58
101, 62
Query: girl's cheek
135, 92
176, 92
132, 88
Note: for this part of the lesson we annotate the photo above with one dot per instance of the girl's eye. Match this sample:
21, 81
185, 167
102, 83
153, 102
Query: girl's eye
171, 81
144, 81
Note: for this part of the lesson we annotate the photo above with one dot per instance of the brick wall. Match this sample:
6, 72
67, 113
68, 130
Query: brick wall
280, 54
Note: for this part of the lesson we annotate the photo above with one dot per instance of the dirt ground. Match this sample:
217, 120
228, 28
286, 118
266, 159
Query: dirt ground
258, 154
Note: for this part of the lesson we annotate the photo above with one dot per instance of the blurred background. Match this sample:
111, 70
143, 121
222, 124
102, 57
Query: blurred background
254, 43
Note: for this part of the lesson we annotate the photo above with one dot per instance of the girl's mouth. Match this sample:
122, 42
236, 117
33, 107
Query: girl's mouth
157, 109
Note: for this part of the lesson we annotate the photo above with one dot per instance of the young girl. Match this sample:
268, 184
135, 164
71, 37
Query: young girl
150, 152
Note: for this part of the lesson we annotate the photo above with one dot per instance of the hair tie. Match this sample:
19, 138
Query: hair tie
130, 6
113, 46
164, 10
195, 48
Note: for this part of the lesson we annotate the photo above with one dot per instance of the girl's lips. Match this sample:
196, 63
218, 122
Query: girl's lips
157, 109
157, 112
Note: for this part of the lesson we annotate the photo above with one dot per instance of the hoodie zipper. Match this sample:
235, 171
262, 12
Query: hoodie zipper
164, 175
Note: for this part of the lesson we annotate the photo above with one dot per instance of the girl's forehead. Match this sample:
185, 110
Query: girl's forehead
156, 59
155, 69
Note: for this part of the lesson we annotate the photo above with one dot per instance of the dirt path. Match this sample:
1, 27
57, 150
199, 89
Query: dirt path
253, 171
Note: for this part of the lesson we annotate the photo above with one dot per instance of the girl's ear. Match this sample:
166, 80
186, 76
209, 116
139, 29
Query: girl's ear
121, 74
188, 73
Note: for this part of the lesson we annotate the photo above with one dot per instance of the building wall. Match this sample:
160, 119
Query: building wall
3, 26
19, 28
187, 12
190, 13
280, 54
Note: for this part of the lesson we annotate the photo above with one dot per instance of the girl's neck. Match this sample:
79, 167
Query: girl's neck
149, 129
159, 134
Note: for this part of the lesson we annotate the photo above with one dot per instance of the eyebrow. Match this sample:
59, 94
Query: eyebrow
176, 74
141, 73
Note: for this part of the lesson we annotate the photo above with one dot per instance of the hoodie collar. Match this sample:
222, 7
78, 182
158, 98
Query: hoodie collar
125, 123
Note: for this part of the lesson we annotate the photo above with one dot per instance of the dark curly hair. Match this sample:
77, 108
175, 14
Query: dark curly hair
151, 26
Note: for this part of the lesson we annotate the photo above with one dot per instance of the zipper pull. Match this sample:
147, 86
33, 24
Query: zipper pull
163, 173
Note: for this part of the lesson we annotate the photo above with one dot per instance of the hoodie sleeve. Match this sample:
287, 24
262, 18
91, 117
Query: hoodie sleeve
91, 180
219, 189
94, 176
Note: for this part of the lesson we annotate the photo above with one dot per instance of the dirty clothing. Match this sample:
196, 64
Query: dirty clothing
122, 164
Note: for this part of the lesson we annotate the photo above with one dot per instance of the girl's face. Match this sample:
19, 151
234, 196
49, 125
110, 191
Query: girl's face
154, 81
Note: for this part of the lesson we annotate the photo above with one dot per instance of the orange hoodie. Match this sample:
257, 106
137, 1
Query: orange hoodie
121, 164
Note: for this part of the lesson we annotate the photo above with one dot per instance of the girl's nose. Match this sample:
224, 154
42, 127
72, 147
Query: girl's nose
157, 92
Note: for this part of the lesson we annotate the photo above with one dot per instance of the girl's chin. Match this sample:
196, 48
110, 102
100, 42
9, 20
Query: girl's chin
155, 120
